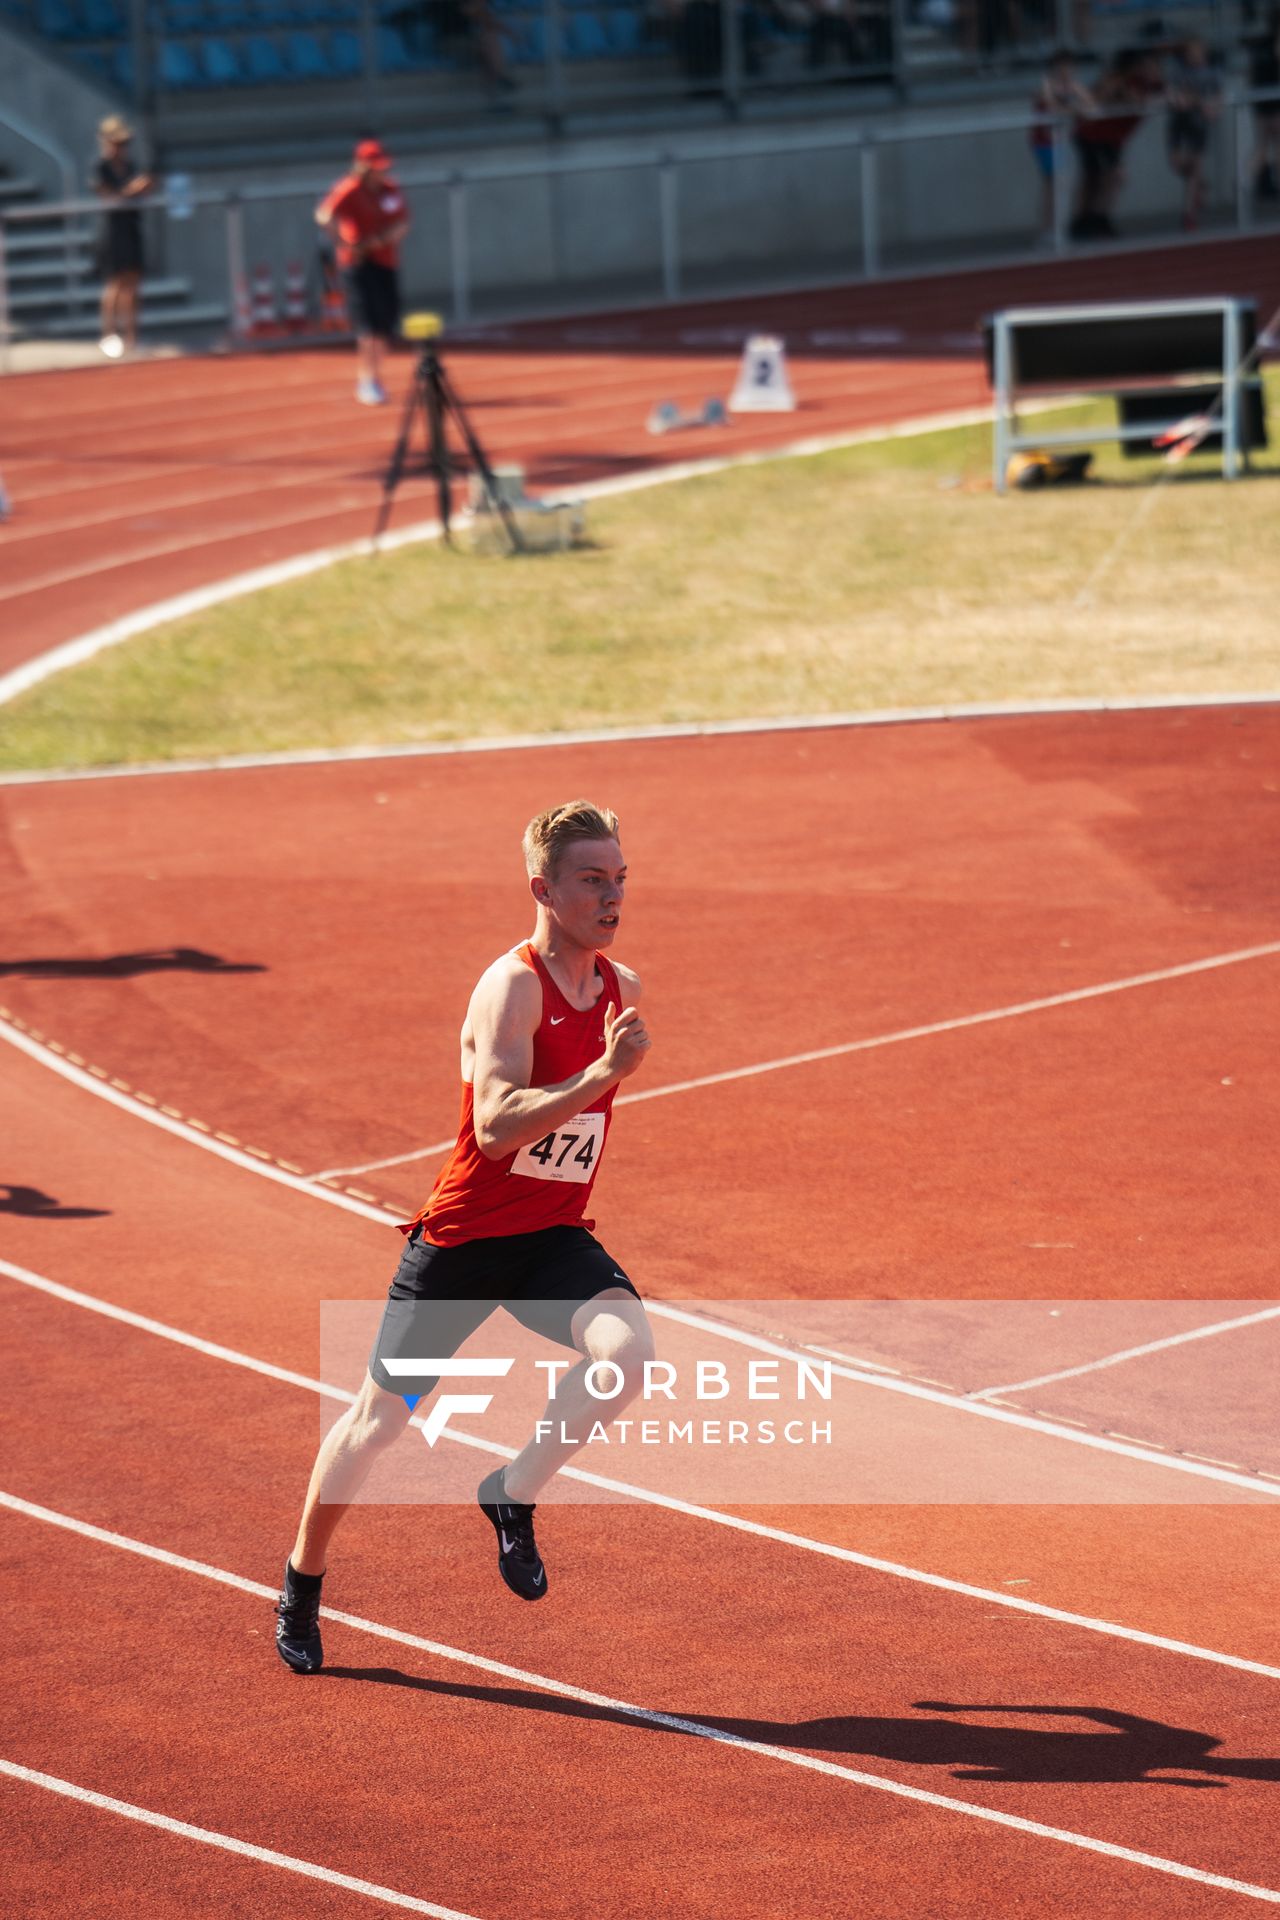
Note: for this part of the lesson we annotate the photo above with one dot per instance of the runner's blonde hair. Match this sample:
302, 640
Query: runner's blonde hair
548, 834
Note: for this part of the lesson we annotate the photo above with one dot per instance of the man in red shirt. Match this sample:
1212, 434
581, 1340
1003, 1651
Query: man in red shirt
551, 1030
370, 217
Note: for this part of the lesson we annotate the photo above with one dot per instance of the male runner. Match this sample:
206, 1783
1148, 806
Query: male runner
551, 1029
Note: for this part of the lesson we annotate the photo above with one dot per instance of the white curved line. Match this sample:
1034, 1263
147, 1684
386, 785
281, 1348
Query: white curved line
647, 1716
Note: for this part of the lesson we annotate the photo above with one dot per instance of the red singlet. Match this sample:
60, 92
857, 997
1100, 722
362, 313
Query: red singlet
549, 1183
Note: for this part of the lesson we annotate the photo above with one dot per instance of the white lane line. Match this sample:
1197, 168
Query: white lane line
846, 1047
89, 1083
267, 1856
1134, 1353
735, 1522
392, 1160
1008, 1416
528, 742
961, 1021
73, 653
944, 1397
649, 1716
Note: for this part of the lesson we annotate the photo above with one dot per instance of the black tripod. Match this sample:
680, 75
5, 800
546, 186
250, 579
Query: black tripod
433, 395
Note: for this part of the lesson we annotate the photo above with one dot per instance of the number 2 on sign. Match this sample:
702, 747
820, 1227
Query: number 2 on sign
568, 1153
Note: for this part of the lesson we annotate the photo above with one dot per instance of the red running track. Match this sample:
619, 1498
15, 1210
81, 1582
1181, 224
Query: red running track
1130, 838
823, 889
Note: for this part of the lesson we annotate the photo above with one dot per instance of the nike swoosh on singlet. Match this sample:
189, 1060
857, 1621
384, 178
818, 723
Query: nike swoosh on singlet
556, 1018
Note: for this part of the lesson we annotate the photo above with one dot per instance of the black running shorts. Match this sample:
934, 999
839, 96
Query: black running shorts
373, 299
440, 1295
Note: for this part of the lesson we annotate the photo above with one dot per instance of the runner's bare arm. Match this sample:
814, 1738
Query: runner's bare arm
502, 1020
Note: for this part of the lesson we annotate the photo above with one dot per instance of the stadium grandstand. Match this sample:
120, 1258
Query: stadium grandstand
569, 153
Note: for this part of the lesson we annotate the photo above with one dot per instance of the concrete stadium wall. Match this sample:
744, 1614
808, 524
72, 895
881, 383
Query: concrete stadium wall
63, 105
562, 240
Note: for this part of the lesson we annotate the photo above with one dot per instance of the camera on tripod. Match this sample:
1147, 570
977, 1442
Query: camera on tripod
433, 396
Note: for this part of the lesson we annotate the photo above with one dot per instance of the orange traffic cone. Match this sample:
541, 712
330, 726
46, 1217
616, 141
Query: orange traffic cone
334, 318
296, 314
266, 320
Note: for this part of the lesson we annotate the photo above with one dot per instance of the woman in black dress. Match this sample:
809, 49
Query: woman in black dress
117, 181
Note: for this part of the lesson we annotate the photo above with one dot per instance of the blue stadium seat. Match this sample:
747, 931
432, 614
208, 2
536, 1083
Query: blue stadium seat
625, 27
262, 61
184, 16
304, 56
57, 21
346, 53
276, 13
393, 55
176, 68
221, 63
122, 68
585, 37
229, 16
418, 51
103, 20
529, 42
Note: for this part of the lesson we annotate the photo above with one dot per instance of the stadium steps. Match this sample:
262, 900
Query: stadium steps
17, 189
57, 313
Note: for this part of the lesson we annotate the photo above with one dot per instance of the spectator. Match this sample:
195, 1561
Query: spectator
1195, 101
370, 217
1129, 85
833, 28
860, 32
1058, 95
468, 25
695, 31
116, 181
1264, 75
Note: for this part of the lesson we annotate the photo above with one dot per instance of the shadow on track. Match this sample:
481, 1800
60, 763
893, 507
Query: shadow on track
1132, 1749
34, 1205
125, 966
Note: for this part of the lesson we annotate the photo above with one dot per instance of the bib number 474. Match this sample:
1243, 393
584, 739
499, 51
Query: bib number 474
569, 1153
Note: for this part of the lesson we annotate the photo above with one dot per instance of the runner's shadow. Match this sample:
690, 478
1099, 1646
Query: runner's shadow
1131, 1750
35, 1205
125, 966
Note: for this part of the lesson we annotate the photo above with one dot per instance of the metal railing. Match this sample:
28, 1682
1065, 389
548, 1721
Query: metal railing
861, 147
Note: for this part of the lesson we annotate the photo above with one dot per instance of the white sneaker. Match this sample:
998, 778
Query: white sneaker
371, 393
112, 345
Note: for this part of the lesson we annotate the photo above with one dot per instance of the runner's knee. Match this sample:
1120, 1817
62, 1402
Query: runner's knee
378, 1417
619, 1333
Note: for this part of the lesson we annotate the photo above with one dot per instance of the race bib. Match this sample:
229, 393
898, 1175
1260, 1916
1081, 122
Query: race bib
570, 1153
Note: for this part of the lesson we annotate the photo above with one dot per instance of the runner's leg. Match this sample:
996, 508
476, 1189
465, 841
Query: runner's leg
347, 1456
612, 1326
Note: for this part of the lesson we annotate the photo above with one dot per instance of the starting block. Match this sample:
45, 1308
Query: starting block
762, 385
668, 418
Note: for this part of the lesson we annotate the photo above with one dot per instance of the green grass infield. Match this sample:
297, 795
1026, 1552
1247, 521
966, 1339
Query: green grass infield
885, 575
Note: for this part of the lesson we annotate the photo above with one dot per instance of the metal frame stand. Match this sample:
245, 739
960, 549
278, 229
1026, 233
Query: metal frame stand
433, 395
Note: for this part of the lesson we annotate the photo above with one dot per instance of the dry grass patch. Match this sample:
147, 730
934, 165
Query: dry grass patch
882, 576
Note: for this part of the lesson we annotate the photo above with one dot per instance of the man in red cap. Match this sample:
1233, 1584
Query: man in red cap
370, 217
